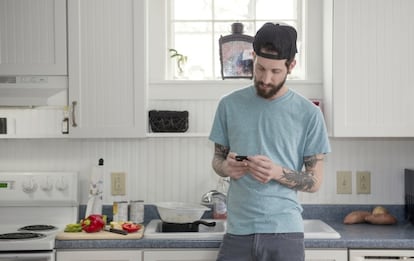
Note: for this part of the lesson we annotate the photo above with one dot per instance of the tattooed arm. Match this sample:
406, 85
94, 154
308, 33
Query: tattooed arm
225, 164
220, 155
308, 180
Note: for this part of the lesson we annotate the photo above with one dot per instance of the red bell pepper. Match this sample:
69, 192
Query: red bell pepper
131, 227
93, 223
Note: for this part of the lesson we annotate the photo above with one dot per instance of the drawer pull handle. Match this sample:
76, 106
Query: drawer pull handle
74, 124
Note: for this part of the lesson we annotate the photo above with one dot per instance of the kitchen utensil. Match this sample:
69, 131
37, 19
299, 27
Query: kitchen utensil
117, 231
180, 212
185, 227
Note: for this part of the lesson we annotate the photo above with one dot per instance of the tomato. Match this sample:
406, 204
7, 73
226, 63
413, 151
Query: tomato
131, 227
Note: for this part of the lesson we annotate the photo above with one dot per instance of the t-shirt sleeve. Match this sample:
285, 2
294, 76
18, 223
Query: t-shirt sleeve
218, 132
317, 136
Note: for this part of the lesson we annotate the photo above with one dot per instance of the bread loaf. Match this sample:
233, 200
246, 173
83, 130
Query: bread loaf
381, 219
356, 217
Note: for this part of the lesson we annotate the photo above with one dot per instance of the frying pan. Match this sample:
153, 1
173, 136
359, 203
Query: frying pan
180, 212
185, 227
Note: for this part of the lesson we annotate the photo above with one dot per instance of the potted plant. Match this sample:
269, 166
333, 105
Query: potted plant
181, 60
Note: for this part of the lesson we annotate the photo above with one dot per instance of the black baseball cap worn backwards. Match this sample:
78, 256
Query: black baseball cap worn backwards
281, 37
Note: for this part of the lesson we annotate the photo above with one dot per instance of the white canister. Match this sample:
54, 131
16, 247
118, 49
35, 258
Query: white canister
136, 211
120, 211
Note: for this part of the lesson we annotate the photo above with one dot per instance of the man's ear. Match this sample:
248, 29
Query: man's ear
291, 66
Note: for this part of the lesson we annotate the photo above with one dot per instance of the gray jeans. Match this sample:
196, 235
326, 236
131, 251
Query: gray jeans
262, 247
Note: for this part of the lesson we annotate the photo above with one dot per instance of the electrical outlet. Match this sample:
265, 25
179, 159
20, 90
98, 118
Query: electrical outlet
363, 182
118, 183
343, 182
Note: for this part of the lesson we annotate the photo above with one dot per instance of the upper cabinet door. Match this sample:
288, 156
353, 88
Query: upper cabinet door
33, 37
107, 77
369, 67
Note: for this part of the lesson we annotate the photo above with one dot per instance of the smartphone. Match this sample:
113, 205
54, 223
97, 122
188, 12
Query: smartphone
241, 158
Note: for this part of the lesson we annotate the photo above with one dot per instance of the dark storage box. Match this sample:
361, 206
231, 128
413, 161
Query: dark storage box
168, 121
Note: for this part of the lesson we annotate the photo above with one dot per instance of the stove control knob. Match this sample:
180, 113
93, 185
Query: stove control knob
61, 184
46, 185
29, 185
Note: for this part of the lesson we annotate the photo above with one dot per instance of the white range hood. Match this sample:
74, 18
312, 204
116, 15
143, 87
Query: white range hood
30, 90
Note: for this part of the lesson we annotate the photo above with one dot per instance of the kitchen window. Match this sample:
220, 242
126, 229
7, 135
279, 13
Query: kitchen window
164, 90
193, 27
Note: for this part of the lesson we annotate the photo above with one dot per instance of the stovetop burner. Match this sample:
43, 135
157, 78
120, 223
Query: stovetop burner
21, 235
38, 228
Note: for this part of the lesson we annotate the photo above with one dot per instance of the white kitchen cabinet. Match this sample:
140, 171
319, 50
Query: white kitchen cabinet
107, 63
180, 255
211, 255
99, 254
33, 37
368, 68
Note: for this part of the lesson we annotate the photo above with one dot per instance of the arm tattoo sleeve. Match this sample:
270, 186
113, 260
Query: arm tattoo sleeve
302, 180
220, 154
221, 151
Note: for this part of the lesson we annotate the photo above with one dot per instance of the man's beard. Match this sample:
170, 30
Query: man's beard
268, 93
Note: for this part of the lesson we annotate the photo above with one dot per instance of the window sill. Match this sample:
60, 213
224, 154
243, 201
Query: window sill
213, 90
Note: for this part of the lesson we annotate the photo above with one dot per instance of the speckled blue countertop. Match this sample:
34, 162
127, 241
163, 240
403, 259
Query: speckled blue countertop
399, 236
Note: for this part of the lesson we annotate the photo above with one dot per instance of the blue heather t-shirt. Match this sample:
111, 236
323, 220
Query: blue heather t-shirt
285, 130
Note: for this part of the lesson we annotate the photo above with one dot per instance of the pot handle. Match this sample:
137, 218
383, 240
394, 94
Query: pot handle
205, 223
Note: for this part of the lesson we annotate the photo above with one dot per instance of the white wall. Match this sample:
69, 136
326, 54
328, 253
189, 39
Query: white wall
179, 169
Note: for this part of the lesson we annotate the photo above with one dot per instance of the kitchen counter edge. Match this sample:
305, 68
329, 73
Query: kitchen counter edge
399, 236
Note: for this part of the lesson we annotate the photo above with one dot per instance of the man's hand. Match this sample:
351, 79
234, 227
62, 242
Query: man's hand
226, 165
309, 180
263, 169
235, 169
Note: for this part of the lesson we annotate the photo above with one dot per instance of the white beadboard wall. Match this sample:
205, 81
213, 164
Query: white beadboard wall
164, 169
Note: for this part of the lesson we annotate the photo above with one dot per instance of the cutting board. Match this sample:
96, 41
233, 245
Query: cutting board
98, 235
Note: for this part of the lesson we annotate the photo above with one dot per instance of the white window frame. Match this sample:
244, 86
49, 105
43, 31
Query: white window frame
159, 88
256, 22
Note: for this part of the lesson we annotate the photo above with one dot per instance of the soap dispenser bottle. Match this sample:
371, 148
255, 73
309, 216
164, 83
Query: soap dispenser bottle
220, 200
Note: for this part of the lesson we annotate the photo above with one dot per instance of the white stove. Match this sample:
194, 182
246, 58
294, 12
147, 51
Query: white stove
34, 207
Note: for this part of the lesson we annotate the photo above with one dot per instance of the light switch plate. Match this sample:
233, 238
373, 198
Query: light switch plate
363, 182
344, 182
118, 183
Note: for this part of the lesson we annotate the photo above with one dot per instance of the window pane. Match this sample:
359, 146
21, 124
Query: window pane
200, 9
194, 41
224, 28
233, 9
276, 10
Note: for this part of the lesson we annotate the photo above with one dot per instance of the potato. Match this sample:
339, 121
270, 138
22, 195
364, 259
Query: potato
356, 217
379, 210
381, 219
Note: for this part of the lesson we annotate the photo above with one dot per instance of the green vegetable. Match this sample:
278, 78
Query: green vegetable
73, 228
